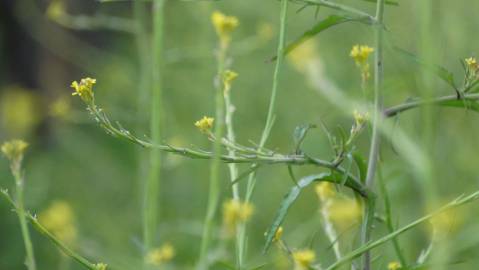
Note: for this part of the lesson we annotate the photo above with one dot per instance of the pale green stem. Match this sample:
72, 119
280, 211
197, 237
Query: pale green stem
376, 138
270, 116
20, 183
214, 189
153, 181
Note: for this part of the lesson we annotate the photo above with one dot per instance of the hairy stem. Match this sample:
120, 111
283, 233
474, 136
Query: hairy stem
376, 139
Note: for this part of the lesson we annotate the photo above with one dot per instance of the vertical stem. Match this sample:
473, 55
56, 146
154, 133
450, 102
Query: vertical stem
270, 116
153, 181
376, 139
30, 258
214, 189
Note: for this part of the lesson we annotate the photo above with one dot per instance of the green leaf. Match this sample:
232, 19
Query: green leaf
362, 166
293, 194
299, 134
259, 267
461, 103
440, 71
322, 25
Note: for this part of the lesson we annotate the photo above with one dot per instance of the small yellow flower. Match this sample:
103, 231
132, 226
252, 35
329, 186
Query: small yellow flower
84, 89
235, 212
303, 259
394, 266
228, 77
224, 26
101, 266
360, 118
205, 124
278, 234
161, 255
471, 62
20, 111
303, 56
14, 149
325, 191
60, 220
360, 54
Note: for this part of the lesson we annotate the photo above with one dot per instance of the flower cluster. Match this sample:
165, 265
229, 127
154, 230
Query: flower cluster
303, 259
60, 220
224, 26
14, 150
205, 124
236, 212
360, 119
160, 255
84, 89
101, 266
360, 54
472, 70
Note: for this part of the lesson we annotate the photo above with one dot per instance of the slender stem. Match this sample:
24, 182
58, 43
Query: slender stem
389, 221
376, 139
270, 116
153, 181
19, 181
341, 7
80, 259
363, 249
214, 189
395, 110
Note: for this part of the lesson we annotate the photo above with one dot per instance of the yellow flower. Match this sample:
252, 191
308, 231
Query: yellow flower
59, 219
84, 89
278, 234
325, 191
360, 54
228, 77
394, 266
205, 124
101, 266
303, 258
224, 26
20, 111
303, 55
471, 62
264, 31
447, 222
60, 107
344, 212
14, 149
360, 118
235, 212
160, 255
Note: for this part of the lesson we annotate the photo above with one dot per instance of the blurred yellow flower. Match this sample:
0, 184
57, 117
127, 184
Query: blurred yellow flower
101, 266
205, 124
303, 259
264, 31
303, 55
20, 111
447, 222
60, 220
471, 62
344, 212
394, 266
325, 191
360, 54
236, 212
160, 255
84, 89
224, 26
56, 9
14, 149
60, 107
228, 77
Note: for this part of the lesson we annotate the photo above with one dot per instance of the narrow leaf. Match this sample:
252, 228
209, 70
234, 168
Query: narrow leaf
299, 134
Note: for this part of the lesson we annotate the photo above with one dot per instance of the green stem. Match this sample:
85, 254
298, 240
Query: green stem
341, 7
376, 138
389, 221
153, 181
19, 181
270, 116
214, 189
80, 259
366, 248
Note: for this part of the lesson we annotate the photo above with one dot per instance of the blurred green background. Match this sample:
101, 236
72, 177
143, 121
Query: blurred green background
73, 160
